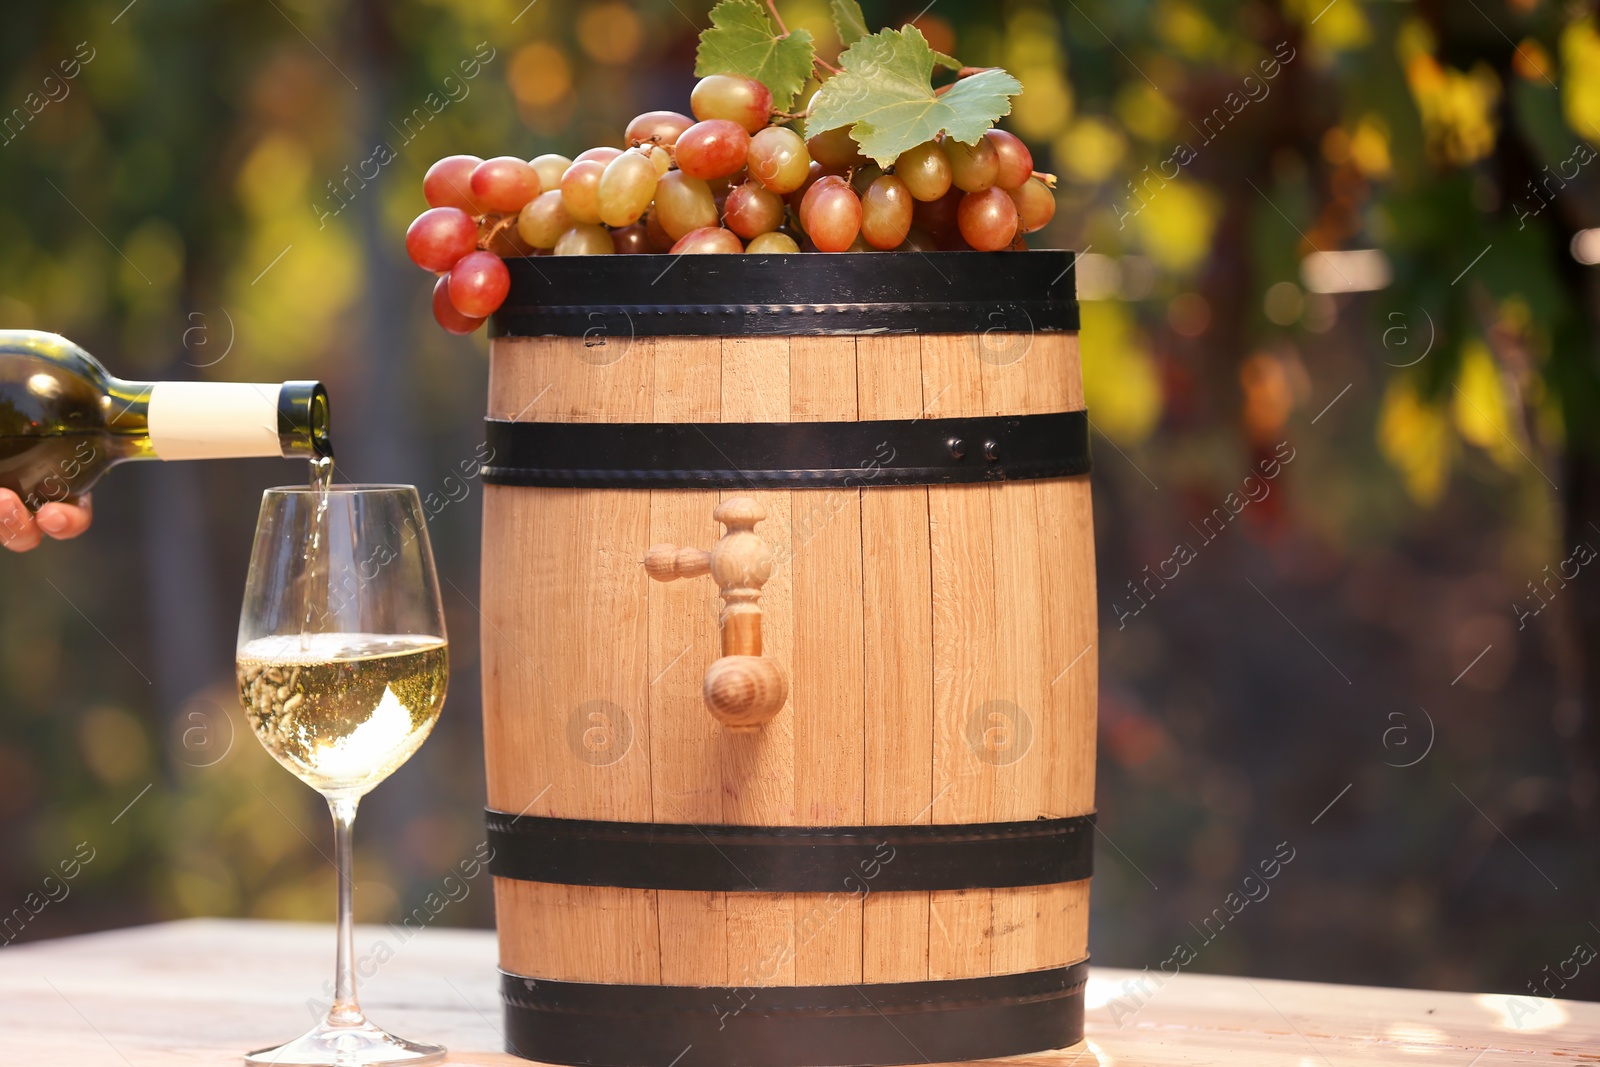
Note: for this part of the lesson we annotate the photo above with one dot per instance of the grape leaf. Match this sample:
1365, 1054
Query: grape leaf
743, 40
849, 21
884, 93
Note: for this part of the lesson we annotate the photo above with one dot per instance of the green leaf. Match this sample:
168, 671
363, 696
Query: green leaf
849, 21
743, 40
884, 93
947, 61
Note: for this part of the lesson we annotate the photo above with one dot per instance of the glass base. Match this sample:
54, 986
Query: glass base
346, 1046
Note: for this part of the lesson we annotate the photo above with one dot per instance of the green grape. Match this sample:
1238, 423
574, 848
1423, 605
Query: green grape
773, 243
886, 212
778, 159
814, 173
864, 176
550, 167
683, 204
544, 220
580, 189
586, 239
604, 154
926, 171
627, 186
661, 158
752, 210
973, 168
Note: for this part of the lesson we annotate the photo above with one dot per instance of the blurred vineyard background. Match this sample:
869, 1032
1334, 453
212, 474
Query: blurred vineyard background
202, 198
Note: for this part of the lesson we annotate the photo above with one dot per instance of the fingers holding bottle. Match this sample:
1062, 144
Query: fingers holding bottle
64, 521
21, 530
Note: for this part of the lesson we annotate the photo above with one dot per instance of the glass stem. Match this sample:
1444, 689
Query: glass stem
345, 1010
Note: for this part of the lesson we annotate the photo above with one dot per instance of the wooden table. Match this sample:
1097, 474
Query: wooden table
200, 992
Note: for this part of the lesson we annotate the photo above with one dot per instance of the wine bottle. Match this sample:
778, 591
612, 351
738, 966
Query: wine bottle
64, 421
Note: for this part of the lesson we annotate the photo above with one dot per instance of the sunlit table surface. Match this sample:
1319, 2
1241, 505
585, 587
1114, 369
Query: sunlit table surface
203, 991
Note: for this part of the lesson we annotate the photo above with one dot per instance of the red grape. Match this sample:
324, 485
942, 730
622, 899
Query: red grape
973, 168
886, 212
714, 148
925, 169
604, 154
631, 240
1036, 205
505, 183
988, 219
734, 97
937, 217
707, 239
752, 210
1016, 162
660, 239
778, 159
831, 214
479, 282
448, 183
660, 127
440, 236
445, 313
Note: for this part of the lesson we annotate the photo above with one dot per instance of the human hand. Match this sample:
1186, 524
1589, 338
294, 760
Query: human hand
21, 530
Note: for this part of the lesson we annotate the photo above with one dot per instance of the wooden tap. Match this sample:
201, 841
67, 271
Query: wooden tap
742, 689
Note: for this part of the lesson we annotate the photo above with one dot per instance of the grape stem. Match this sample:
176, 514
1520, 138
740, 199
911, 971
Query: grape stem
783, 31
1048, 179
494, 231
791, 116
818, 61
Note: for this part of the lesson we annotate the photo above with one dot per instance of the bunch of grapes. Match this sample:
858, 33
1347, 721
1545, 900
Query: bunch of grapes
731, 179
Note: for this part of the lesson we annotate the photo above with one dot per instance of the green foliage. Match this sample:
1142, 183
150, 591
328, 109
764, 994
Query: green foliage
849, 21
884, 93
743, 40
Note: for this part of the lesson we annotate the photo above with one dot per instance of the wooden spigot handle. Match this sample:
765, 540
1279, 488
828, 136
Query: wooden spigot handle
742, 689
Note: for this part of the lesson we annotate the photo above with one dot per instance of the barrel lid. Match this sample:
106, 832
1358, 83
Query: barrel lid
794, 294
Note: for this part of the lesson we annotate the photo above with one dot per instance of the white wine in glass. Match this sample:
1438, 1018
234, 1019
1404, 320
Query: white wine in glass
342, 667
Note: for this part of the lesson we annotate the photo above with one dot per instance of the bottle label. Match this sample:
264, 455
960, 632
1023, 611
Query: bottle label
214, 420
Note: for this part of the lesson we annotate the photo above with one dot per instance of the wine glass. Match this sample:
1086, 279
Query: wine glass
342, 667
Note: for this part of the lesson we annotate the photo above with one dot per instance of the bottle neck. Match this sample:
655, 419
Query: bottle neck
226, 420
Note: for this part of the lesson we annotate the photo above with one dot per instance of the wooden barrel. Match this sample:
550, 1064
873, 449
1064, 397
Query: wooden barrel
893, 866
